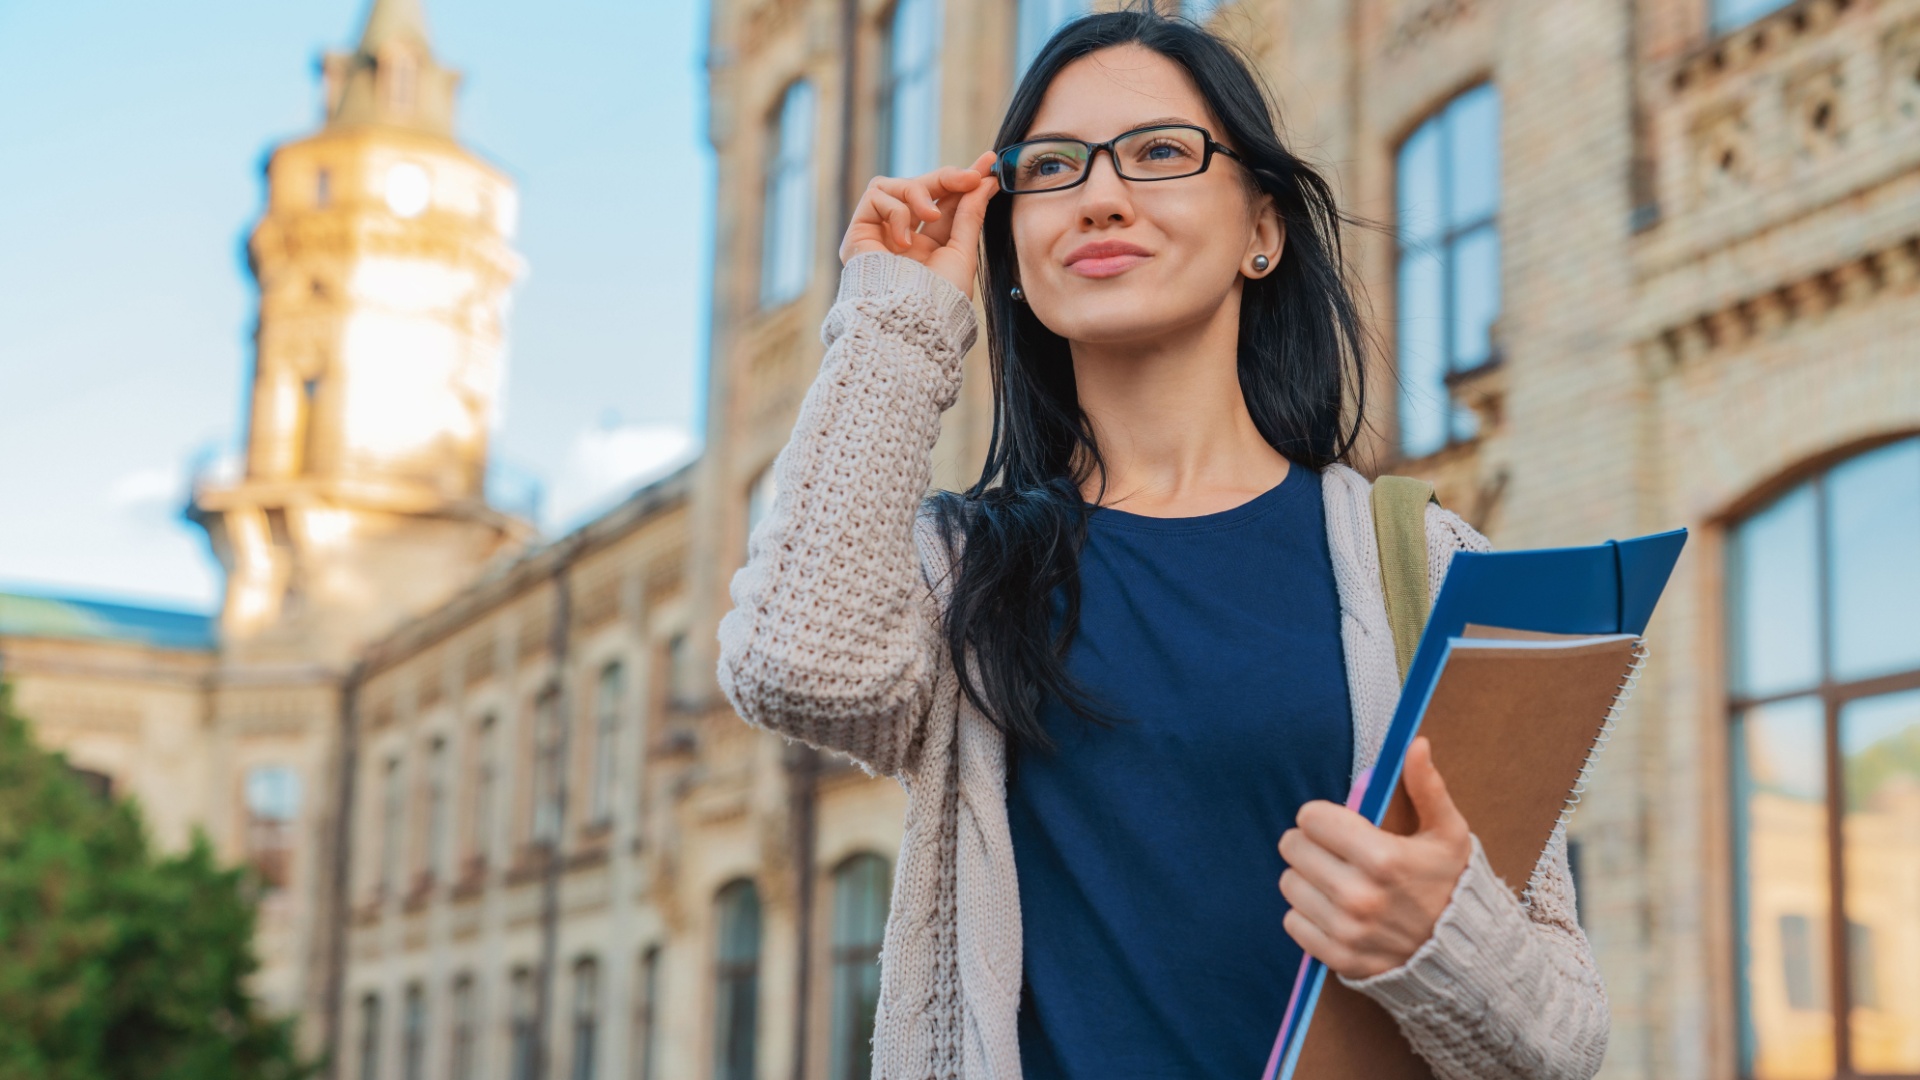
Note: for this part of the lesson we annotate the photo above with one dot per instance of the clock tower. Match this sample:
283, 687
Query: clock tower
383, 262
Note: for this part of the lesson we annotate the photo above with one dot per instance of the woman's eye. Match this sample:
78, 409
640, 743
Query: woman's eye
1164, 151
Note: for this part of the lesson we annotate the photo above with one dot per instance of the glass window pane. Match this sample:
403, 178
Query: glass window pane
1473, 156
1038, 19
1782, 884
1873, 544
1421, 329
913, 114
1880, 757
1476, 296
1774, 577
860, 898
1733, 14
1417, 209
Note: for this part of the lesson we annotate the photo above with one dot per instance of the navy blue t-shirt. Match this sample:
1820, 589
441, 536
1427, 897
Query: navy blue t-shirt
1146, 852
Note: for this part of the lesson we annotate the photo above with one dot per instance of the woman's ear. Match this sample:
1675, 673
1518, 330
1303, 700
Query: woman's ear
1268, 241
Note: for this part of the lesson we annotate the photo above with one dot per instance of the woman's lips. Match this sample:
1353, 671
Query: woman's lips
1106, 266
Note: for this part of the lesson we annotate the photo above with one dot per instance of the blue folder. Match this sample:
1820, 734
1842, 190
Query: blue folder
1608, 588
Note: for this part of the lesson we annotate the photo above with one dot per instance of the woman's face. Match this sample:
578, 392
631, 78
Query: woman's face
1192, 236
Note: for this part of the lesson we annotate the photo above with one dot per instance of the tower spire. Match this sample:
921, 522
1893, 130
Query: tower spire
390, 78
392, 22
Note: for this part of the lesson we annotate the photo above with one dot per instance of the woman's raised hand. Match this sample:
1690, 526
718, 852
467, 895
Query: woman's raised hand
933, 219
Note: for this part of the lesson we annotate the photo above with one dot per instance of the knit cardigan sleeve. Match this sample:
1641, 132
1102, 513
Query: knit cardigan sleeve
834, 634
1504, 989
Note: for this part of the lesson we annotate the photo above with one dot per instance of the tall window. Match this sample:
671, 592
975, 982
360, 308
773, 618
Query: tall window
545, 806
910, 99
1733, 14
786, 250
520, 1047
273, 800
393, 809
370, 1037
606, 740
736, 981
462, 1059
586, 1017
860, 894
413, 1035
1038, 19
486, 785
1449, 264
646, 1024
1825, 693
433, 850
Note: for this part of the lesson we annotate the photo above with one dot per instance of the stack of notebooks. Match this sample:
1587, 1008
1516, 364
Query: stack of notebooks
1525, 662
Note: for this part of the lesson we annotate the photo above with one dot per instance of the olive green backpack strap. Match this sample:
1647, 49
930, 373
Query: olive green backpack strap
1400, 533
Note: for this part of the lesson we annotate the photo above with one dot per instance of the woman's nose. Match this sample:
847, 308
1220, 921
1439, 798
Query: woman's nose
1105, 196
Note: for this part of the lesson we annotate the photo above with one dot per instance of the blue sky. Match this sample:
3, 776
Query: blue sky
131, 139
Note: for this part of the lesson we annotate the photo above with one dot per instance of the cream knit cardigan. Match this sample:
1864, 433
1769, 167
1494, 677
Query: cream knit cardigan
835, 639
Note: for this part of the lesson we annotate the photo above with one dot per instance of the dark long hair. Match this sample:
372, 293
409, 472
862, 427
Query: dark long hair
1301, 368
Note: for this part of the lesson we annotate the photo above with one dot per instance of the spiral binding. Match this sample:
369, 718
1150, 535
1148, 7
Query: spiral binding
1600, 742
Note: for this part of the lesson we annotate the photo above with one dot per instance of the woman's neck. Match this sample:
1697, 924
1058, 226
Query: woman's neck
1175, 436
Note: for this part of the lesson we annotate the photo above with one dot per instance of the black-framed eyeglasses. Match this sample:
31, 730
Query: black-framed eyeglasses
1161, 152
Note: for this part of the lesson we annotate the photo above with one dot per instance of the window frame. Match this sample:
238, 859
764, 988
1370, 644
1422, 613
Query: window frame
927, 70
847, 1054
733, 972
782, 170
1834, 695
1443, 245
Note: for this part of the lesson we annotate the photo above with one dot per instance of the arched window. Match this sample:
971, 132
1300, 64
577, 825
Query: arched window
520, 1046
786, 251
586, 1017
860, 896
486, 785
736, 980
433, 847
611, 694
393, 813
1824, 685
544, 806
462, 1062
370, 1037
646, 1018
273, 801
413, 1035
1037, 20
910, 99
1448, 284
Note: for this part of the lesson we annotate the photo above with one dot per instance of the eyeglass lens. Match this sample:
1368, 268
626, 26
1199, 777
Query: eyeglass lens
1149, 154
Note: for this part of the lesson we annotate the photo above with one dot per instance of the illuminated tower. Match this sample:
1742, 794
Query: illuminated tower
383, 264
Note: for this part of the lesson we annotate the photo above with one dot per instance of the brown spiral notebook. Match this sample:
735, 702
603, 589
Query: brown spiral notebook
1516, 720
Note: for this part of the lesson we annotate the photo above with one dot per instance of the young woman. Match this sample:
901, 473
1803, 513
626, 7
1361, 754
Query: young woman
1128, 676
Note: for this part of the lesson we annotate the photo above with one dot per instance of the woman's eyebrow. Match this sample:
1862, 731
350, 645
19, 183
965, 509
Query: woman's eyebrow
1155, 122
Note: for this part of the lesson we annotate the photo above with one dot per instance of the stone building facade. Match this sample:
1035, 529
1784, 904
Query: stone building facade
1636, 266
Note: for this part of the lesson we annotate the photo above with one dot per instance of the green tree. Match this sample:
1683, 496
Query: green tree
117, 963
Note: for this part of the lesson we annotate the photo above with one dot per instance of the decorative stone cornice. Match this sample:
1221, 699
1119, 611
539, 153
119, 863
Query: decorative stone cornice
1888, 270
1764, 36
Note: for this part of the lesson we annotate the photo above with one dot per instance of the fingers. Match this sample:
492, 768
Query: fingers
1340, 881
1348, 836
1318, 943
961, 216
895, 216
1439, 817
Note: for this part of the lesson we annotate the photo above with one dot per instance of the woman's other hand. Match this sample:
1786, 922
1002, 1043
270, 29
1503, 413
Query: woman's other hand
1364, 900
932, 219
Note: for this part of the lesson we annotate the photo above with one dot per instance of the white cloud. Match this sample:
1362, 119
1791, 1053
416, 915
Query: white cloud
608, 462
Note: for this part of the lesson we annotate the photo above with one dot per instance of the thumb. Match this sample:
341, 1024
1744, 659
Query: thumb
1438, 816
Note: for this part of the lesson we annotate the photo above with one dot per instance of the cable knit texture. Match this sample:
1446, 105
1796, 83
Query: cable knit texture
835, 639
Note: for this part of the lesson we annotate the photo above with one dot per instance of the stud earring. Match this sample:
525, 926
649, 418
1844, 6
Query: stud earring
1261, 262
1019, 294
